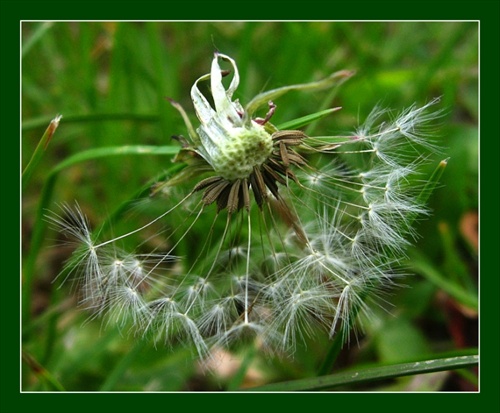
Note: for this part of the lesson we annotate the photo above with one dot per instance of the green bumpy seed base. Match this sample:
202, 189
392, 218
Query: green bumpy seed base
246, 148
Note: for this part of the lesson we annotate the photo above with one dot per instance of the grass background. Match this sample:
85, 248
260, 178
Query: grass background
110, 80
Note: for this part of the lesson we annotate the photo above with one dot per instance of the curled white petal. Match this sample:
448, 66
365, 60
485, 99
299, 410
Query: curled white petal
222, 98
203, 110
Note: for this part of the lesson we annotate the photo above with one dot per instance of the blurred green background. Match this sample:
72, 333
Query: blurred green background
109, 80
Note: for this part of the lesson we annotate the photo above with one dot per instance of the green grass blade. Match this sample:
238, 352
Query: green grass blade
453, 262
238, 378
36, 241
38, 33
338, 341
335, 348
121, 368
306, 120
115, 151
432, 182
43, 374
94, 117
263, 98
165, 71
470, 376
373, 374
422, 266
39, 151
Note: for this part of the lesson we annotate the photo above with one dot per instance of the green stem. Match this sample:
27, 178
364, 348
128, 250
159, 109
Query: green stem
237, 380
39, 151
338, 341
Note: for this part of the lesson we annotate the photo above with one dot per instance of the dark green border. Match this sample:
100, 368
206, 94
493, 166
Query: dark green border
487, 12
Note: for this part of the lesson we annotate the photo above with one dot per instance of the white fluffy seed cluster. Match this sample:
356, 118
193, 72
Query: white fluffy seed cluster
321, 240
253, 276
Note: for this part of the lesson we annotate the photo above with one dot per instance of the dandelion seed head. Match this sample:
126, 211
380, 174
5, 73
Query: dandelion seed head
305, 232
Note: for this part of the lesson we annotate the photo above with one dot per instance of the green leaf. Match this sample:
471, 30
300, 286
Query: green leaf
263, 98
115, 151
306, 120
372, 374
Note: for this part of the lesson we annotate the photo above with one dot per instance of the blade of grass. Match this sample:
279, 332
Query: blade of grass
38, 33
51, 330
239, 376
264, 98
422, 266
373, 374
165, 71
97, 153
327, 101
95, 117
42, 373
432, 182
454, 265
39, 151
469, 376
306, 120
122, 366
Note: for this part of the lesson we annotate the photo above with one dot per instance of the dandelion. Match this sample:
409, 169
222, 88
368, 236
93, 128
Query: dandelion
306, 231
